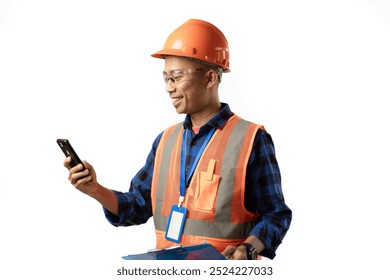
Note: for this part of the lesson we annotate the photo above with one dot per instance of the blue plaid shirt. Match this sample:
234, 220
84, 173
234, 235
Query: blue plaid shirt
263, 191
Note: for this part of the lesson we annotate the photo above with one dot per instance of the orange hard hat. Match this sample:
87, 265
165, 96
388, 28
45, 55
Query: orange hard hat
200, 40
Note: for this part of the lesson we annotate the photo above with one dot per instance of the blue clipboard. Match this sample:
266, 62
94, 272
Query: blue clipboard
196, 252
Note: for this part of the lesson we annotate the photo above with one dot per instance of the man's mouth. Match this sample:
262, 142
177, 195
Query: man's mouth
176, 100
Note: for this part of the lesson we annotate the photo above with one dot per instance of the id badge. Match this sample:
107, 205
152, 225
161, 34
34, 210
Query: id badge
175, 223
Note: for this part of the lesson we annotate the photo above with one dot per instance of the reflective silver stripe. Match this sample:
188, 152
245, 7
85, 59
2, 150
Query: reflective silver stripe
160, 221
164, 169
221, 227
228, 169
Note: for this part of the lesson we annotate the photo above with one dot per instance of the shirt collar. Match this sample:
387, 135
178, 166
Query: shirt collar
218, 121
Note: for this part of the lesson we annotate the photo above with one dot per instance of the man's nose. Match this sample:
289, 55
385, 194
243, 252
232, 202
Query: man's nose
170, 86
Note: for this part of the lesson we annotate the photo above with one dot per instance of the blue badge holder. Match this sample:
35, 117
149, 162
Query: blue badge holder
174, 231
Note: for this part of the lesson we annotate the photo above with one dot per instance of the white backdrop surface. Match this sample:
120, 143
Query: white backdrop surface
315, 73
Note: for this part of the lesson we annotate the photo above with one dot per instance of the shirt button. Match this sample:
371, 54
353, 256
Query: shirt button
187, 169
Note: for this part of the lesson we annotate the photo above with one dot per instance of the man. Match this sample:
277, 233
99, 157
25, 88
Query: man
214, 176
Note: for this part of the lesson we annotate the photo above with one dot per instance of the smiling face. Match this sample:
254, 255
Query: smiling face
191, 85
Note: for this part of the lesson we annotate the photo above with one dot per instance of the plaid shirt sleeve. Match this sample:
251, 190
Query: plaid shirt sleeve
263, 195
135, 206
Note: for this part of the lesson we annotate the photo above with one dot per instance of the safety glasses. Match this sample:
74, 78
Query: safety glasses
176, 76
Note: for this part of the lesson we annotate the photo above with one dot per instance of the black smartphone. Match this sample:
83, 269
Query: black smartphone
68, 150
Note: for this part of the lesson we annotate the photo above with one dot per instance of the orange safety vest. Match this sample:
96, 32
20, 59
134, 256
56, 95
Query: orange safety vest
215, 196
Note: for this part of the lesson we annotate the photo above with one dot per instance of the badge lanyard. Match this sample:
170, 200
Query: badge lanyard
183, 181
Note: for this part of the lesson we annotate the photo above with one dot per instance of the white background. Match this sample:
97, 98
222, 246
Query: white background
315, 73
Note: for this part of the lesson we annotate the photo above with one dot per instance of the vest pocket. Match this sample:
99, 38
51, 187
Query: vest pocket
206, 189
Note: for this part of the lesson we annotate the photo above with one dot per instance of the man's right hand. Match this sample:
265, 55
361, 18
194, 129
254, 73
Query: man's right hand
82, 179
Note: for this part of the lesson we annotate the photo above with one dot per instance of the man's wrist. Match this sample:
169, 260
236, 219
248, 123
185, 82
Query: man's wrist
251, 251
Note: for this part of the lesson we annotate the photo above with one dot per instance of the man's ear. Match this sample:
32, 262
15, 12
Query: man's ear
212, 78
